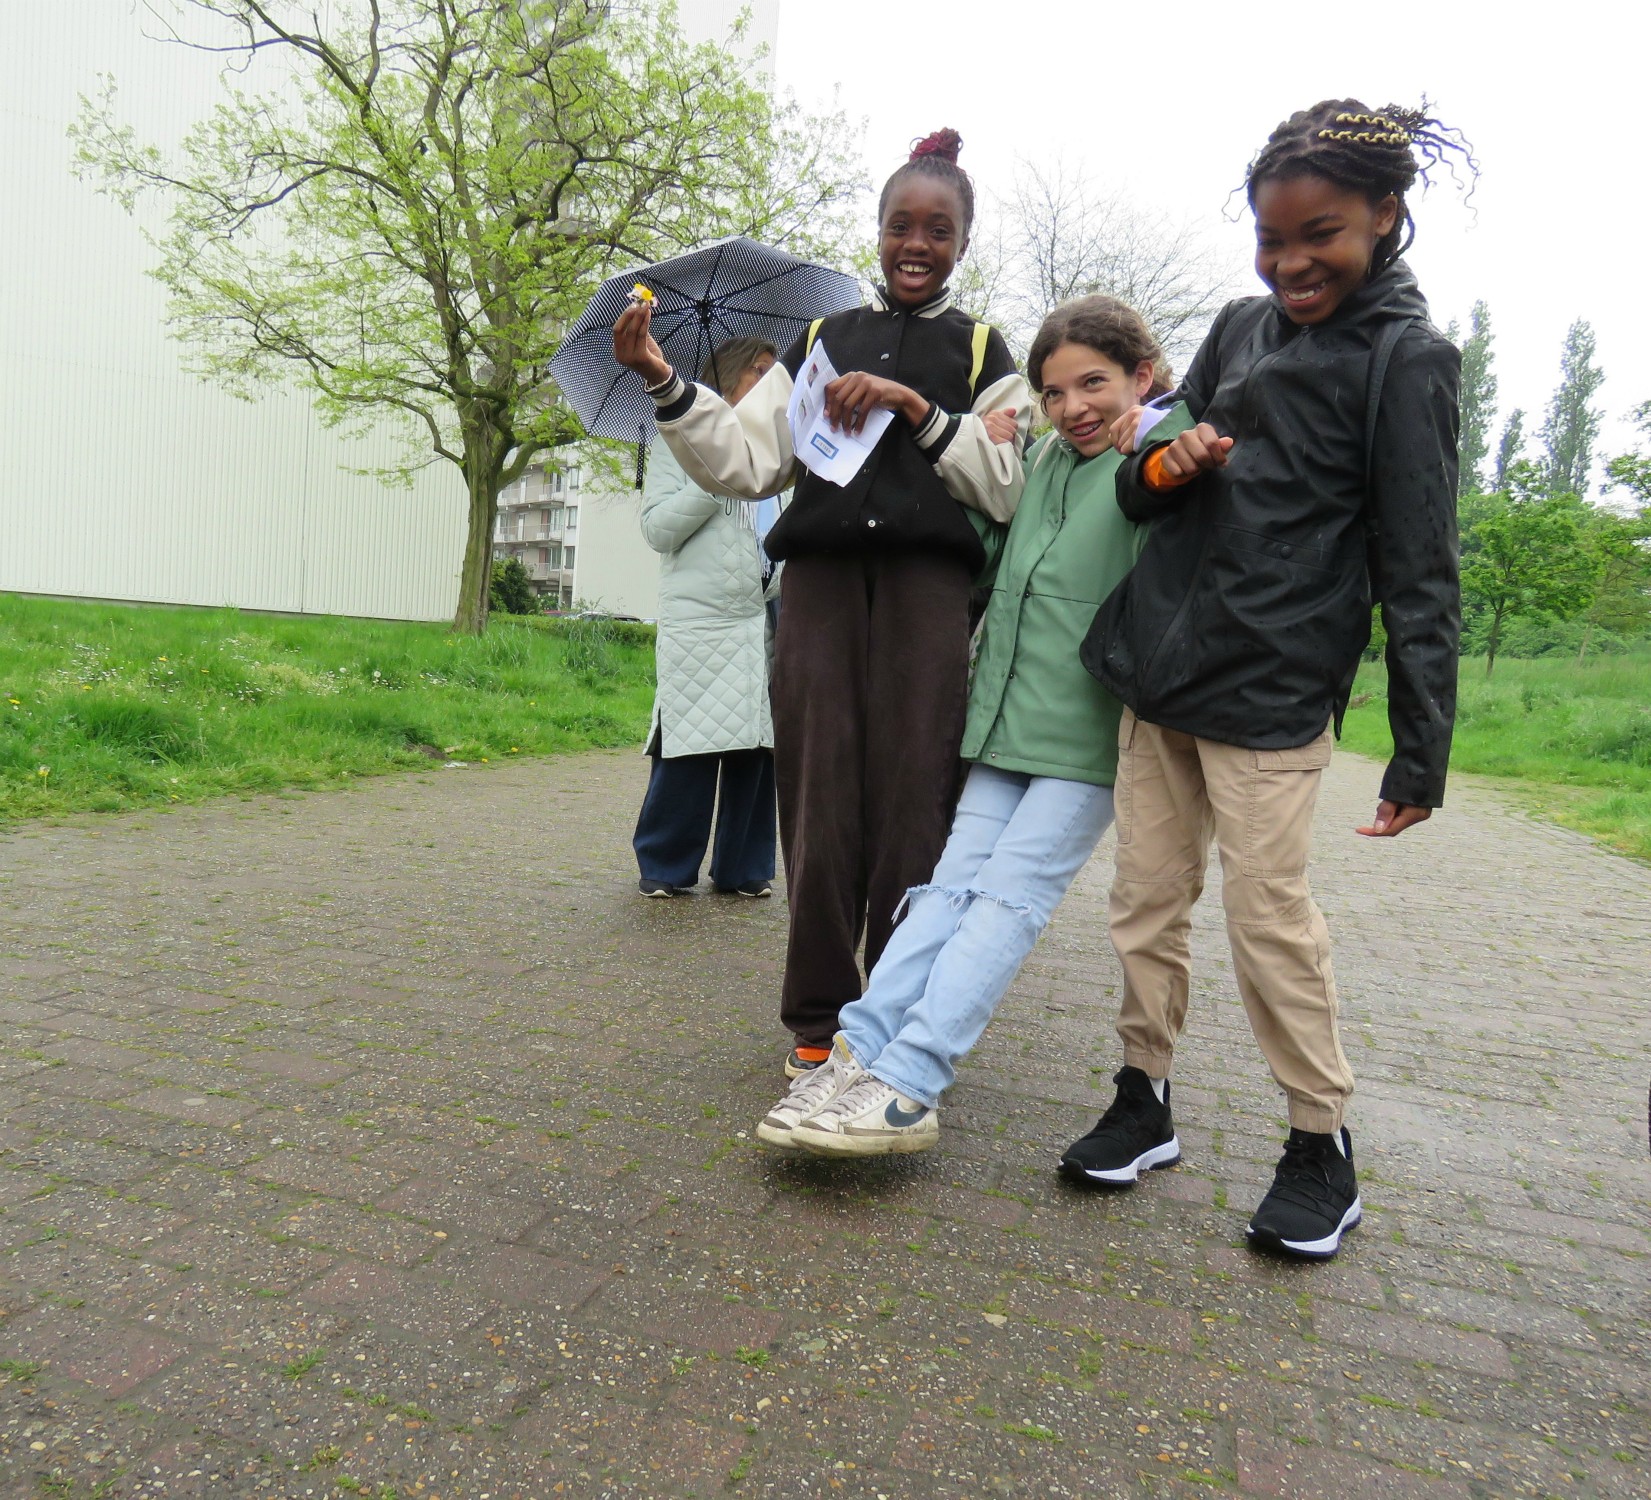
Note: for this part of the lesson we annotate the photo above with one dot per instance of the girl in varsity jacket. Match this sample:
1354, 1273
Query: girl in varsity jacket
871, 655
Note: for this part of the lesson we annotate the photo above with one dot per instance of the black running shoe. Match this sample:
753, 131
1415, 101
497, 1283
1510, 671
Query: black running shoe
1314, 1199
1136, 1134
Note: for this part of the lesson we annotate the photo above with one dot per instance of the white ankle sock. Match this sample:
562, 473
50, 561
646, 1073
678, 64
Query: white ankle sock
1158, 1087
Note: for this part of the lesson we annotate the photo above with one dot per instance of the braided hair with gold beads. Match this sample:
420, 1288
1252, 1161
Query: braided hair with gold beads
1377, 152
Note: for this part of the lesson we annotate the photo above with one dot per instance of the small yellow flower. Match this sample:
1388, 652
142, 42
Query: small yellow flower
44, 772
484, 760
514, 750
160, 658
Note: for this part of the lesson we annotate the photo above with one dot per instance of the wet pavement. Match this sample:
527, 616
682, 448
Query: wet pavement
385, 1143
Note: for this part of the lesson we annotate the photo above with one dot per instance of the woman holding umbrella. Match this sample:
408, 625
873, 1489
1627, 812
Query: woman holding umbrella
871, 655
711, 718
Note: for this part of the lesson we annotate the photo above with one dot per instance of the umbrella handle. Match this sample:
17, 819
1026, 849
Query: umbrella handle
641, 454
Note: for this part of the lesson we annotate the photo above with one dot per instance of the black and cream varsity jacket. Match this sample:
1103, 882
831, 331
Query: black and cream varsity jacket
909, 495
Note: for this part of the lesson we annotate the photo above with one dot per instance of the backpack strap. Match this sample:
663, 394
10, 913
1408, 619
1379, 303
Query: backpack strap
1386, 341
977, 361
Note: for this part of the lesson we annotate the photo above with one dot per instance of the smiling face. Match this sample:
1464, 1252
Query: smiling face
1085, 391
921, 237
1315, 241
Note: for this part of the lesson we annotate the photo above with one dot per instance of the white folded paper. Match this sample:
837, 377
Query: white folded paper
829, 452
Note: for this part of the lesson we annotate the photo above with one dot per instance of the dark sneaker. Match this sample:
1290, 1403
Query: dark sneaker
756, 889
1134, 1135
1314, 1199
796, 1065
659, 888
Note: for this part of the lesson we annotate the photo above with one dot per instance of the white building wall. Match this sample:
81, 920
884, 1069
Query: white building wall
121, 475
615, 569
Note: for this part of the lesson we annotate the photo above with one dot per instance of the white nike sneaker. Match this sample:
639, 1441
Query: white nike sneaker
868, 1118
808, 1092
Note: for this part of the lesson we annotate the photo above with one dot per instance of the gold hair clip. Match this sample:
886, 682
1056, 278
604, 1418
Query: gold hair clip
1393, 134
1368, 137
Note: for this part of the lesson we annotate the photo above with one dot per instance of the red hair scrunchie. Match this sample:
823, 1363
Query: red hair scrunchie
943, 143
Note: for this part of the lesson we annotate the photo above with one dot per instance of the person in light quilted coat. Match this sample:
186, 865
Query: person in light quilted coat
711, 719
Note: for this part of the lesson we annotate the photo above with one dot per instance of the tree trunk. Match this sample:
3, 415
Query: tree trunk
484, 455
1492, 642
1587, 640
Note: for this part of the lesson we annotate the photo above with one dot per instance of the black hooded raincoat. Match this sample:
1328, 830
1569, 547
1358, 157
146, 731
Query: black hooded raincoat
1244, 619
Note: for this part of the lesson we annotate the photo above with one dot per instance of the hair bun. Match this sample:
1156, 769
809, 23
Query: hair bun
943, 143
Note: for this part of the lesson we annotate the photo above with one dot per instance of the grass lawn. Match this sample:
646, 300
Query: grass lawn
1577, 738
105, 707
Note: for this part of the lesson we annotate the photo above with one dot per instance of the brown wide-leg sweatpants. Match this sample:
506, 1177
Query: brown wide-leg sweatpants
1174, 793
870, 686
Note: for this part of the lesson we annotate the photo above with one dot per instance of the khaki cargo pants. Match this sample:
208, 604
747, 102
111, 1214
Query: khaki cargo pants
1174, 793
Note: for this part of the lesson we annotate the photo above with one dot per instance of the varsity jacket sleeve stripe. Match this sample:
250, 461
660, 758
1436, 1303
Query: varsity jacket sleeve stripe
983, 475
742, 450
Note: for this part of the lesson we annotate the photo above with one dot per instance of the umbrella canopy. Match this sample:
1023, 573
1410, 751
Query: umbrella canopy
733, 288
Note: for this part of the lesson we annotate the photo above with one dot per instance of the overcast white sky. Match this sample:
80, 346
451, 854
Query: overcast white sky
1172, 102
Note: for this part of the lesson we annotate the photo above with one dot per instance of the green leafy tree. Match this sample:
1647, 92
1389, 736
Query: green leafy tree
1478, 398
425, 194
1620, 548
1622, 545
1509, 449
1573, 418
1528, 556
1632, 471
511, 588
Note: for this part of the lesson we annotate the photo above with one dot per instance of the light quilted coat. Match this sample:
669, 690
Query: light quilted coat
1033, 708
712, 654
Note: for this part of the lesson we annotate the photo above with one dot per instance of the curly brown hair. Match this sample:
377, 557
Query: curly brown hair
1107, 326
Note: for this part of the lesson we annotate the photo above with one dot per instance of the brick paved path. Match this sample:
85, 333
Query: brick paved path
385, 1143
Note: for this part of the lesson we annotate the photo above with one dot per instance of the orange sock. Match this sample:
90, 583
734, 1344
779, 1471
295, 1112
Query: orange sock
813, 1054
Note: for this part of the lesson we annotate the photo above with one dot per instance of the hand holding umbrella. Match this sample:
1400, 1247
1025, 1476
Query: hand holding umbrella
634, 346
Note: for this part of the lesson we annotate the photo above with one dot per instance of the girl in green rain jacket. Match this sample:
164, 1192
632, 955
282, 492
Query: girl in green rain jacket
1042, 737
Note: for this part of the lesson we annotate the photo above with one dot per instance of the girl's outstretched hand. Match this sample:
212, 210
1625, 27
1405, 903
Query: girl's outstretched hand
1194, 451
1001, 426
634, 346
1392, 818
851, 398
1124, 430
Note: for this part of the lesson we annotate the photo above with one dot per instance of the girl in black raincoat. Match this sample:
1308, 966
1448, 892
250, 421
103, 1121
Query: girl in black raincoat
1320, 474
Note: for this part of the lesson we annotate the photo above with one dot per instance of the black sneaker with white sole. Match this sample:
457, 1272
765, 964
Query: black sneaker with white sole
1133, 1136
661, 889
1314, 1199
758, 890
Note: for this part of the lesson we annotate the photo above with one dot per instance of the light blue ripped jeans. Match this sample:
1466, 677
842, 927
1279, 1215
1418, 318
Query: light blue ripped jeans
1016, 844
